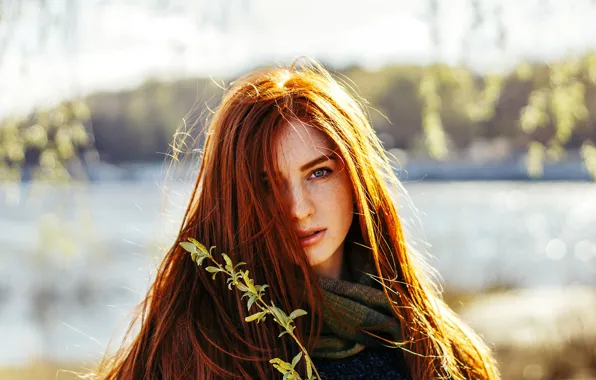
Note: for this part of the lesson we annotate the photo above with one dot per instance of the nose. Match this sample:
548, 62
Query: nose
301, 205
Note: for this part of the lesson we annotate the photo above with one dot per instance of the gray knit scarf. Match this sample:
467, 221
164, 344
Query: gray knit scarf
360, 302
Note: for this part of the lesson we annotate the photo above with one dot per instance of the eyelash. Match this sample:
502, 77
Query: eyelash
329, 171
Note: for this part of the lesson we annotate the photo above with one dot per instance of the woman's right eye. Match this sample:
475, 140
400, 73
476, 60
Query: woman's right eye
265, 183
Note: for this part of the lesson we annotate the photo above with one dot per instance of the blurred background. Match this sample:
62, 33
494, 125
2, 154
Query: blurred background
487, 107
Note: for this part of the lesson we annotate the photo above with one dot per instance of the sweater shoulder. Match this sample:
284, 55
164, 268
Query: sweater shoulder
371, 363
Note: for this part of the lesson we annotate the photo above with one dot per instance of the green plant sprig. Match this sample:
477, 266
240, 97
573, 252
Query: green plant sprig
241, 280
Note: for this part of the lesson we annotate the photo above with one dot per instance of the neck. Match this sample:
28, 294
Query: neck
332, 267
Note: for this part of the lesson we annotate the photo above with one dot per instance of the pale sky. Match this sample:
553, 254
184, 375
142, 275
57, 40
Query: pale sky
118, 44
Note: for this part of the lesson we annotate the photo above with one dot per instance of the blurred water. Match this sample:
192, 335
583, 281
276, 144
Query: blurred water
75, 260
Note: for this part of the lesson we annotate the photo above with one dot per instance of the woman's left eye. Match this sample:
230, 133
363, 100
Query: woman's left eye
321, 173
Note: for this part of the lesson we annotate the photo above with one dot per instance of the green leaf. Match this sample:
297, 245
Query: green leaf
201, 247
241, 287
200, 260
189, 247
256, 316
229, 267
213, 269
281, 317
282, 334
296, 359
251, 301
308, 370
286, 366
262, 289
276, 365
297, 313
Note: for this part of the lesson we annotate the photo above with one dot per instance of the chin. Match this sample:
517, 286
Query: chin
315, 258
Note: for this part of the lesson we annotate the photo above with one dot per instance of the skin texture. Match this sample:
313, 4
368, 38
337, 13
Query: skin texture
319, 196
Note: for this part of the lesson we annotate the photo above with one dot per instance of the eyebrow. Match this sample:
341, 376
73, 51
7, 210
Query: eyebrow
314, 162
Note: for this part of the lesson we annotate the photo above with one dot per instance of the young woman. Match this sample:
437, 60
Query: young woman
294, 182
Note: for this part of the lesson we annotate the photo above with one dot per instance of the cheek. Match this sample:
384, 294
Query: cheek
336, 204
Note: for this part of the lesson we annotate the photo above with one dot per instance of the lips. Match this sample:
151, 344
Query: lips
311, 237
309, 232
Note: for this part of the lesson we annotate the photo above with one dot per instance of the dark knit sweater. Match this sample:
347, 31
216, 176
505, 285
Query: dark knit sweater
371, 363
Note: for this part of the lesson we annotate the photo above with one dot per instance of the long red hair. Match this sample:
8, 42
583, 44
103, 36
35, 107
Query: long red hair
192, 326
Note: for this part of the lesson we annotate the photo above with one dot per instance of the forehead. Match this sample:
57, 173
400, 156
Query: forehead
299, 142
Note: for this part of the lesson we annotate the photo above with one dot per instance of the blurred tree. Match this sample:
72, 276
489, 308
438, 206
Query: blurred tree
541, 109
139, 125
52, 137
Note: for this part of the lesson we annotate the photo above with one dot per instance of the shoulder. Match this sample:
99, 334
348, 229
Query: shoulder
371, 363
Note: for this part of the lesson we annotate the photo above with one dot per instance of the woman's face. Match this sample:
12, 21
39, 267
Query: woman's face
318, 191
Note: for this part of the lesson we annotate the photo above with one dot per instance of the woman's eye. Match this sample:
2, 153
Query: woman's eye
265, 183
320, 173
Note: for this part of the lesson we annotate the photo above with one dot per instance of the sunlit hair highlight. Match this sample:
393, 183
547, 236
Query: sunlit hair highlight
193, 327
